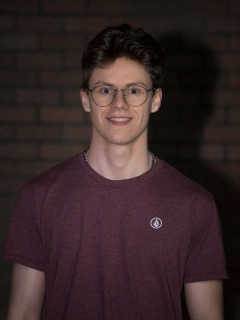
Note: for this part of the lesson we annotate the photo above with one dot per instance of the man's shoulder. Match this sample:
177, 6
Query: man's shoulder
176, 182
60, 172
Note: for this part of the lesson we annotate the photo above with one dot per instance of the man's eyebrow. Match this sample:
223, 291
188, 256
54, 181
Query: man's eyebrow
102, 83
138, 83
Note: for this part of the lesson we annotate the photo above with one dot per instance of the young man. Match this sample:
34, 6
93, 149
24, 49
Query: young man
115, 232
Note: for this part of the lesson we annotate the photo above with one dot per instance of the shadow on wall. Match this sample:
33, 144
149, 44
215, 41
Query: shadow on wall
175, 135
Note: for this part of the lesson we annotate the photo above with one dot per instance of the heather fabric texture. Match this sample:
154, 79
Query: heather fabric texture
101, 257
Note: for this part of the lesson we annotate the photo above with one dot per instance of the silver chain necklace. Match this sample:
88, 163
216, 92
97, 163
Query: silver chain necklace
152, 164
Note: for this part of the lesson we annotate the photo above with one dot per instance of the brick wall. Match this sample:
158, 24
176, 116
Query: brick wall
197, 129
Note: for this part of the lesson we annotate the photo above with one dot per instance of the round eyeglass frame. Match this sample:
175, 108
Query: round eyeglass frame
124, 95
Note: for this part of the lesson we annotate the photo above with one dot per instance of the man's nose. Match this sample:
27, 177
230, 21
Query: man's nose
119, 100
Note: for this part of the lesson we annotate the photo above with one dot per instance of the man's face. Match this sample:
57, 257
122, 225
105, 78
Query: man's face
120, 123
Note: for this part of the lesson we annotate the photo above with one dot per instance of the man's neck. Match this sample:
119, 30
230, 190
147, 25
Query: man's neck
119, 162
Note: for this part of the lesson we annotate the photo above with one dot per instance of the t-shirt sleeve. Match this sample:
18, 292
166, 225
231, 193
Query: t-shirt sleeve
206, 259
24, 240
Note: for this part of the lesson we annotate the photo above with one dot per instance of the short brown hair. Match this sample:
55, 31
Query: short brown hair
124, 41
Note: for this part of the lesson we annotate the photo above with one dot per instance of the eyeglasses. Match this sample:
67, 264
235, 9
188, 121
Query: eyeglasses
134, 95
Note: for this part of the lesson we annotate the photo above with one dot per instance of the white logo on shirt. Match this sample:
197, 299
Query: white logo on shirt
156, 223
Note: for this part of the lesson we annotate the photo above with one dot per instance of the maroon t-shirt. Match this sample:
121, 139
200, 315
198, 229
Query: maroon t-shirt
115, 249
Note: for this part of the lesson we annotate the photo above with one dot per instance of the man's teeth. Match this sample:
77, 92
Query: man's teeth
120, 119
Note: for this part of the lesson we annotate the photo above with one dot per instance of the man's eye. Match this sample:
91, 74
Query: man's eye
106, 91
133, 91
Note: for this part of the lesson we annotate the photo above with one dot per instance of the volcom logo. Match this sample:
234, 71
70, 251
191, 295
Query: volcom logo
156, 223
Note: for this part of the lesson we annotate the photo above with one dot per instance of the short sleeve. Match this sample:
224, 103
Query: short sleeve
206, 259
24, 241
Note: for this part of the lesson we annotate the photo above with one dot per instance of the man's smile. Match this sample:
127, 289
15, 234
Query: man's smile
119, 119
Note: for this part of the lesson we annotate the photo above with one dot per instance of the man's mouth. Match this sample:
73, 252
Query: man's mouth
119, 119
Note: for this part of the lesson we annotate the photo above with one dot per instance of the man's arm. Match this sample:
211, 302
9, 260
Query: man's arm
27, 293
204, 300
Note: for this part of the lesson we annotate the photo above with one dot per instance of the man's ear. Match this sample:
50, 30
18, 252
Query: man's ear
157, 99
85, 100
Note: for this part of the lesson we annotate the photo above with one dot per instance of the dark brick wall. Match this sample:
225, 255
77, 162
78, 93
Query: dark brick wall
197, 129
